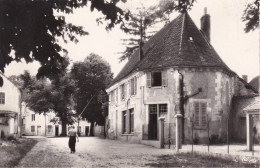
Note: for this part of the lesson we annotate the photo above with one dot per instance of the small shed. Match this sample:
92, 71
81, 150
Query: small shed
251, 110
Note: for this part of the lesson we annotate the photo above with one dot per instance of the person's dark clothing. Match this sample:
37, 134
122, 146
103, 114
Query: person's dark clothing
72, 142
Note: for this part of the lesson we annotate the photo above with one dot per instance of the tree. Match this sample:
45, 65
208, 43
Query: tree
45, 96
91, 77
140, 25
31, 29
251, 16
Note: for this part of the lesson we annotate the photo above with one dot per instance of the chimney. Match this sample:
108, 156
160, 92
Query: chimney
205, 24
244, 77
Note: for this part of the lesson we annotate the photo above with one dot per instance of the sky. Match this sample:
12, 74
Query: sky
239, 50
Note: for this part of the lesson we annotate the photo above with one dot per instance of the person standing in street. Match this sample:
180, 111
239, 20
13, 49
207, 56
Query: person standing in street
72, 139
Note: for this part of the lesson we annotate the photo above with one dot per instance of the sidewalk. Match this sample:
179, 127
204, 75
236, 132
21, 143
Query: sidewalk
235, 152
234, 149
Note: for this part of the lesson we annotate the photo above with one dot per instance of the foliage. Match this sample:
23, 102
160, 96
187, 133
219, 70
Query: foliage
32, 30
251, 16
91, 77
194, 159
12, 154
45, 96
140, 25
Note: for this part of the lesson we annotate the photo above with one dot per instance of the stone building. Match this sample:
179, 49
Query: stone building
179, 71
10, 97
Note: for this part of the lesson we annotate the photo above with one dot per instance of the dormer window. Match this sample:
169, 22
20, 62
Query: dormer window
156, 78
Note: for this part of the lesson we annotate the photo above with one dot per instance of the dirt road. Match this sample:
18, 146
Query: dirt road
90, 152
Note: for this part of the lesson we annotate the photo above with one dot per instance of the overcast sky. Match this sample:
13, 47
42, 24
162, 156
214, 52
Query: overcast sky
239, 50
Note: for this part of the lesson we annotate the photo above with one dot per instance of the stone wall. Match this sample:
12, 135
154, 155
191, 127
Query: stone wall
217, 92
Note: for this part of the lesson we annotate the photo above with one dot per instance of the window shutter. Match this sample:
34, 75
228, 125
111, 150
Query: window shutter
164, 78
125, 91
116, 95
135, 85
203, 115
196, 114
129, 87
148, 79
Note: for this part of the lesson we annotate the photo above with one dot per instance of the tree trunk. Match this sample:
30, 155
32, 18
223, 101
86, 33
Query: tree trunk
91, 129
63, 128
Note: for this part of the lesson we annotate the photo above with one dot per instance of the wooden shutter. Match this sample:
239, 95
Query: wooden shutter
135, 85
129, 87
164, 78
196, 114
116, 94
148, 79
125, 91
203, 115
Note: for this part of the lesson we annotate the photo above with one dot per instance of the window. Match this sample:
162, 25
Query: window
131, 120
133, 86
161, 108
49, 128
2, 98
128, 121
123, 91
200, 115
155, 79
33, 128
124, 122
112, 94
33, 117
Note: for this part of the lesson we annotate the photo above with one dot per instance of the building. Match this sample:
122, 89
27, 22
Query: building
48, 125
10, 97
179, 72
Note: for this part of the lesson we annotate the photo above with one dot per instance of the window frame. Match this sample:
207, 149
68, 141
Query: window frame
2, 97
124, 124
131, 120
33, 117
150, 79
133, 86
155, 108
32, 128
123, 91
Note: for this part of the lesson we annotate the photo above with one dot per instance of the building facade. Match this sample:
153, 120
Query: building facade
47, 124
10, 97
178, 73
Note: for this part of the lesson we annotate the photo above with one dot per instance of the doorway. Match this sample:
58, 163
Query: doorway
152, 126
38, 130
56, 130
86, 130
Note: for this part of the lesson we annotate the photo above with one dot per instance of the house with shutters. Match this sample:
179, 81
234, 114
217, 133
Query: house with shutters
176, 72
10, 97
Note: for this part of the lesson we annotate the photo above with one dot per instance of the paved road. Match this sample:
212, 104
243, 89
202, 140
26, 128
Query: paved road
90, 152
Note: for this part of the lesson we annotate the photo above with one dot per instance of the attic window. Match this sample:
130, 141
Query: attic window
155, 79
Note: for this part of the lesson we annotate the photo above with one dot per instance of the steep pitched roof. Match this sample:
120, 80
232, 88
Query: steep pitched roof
178, 44
255, 82
255, 106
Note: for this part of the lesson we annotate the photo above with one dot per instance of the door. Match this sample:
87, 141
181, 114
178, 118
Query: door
56, 130
152, 127
86, 130
38, 130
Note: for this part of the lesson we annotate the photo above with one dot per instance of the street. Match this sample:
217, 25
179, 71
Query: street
90, 152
